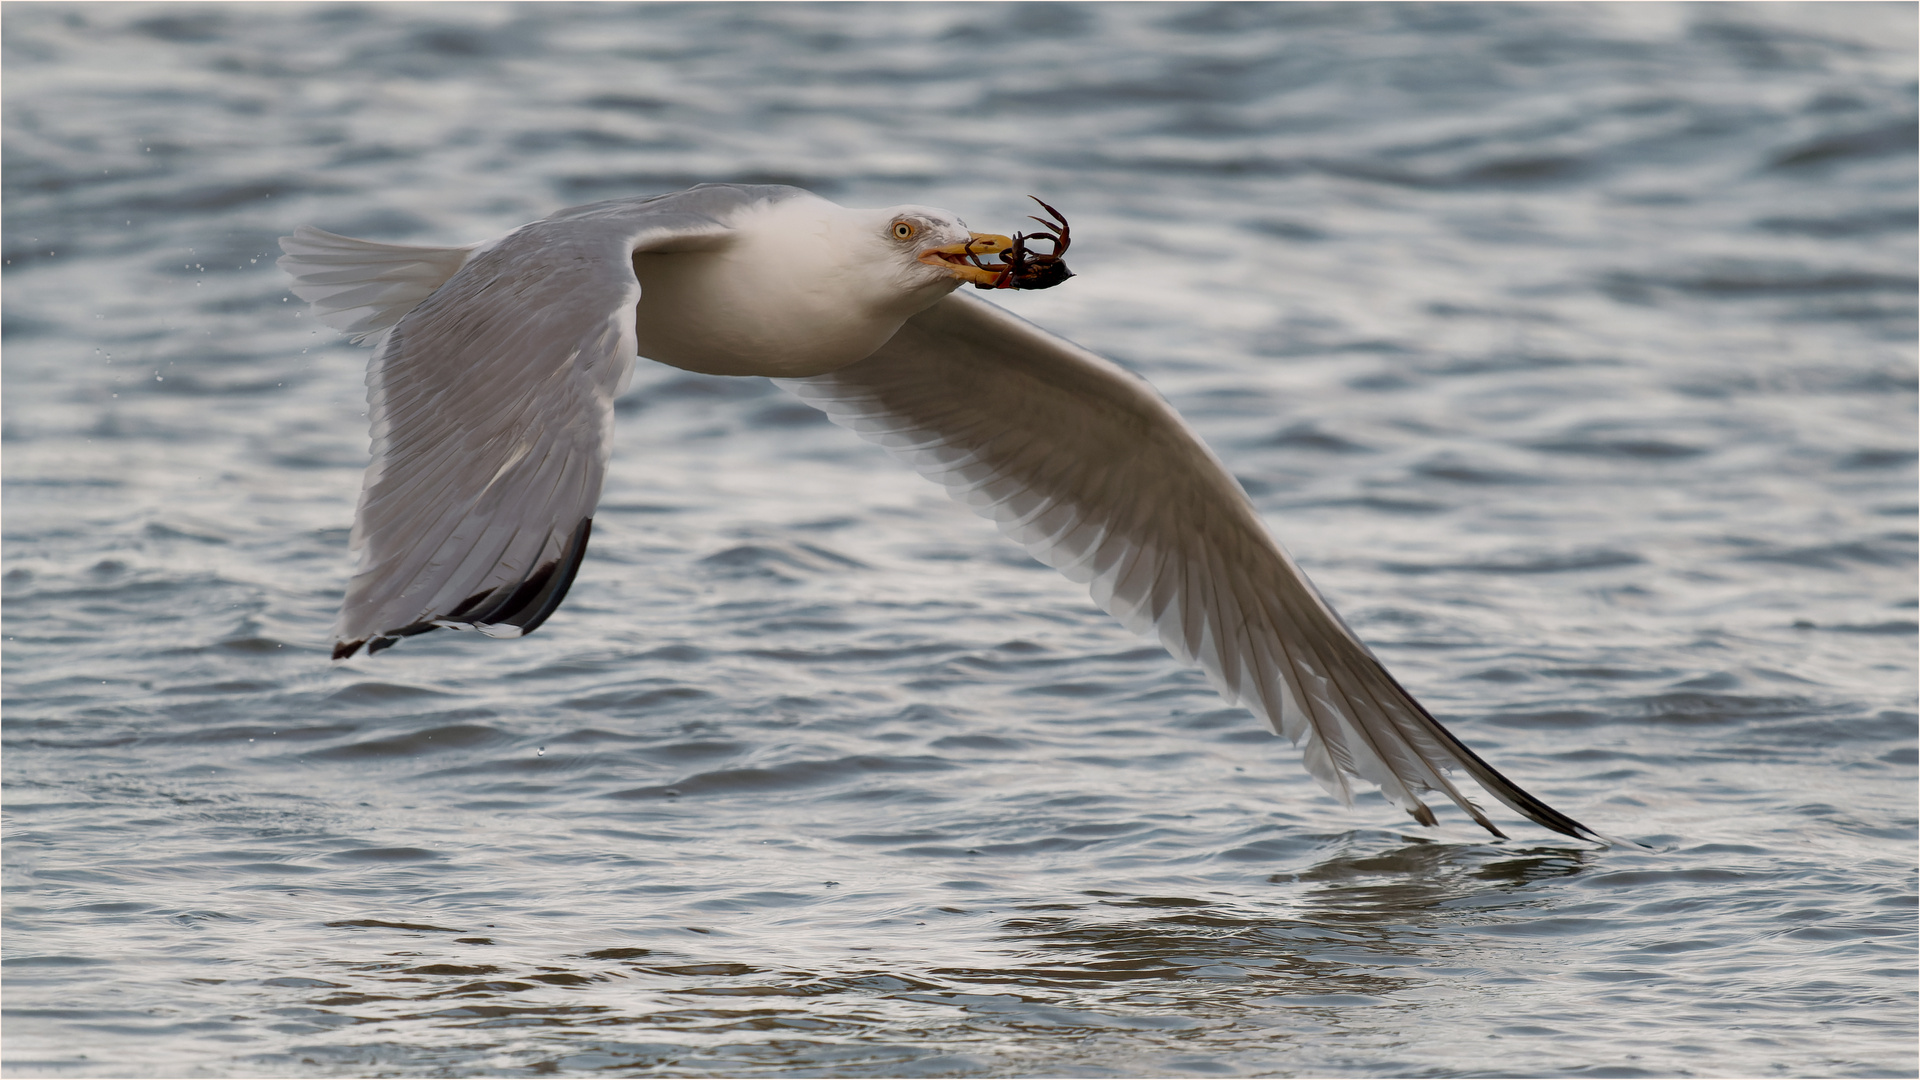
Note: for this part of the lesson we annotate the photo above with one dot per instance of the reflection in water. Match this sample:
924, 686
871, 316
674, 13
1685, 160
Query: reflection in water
1354, 931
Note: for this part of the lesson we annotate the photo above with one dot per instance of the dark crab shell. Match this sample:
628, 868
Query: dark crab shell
1023, 269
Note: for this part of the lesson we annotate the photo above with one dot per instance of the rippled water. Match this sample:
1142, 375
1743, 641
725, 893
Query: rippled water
1570, 348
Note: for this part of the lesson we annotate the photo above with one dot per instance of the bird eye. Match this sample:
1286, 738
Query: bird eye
903, 230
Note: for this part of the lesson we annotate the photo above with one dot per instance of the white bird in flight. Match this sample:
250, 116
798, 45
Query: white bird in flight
496, 366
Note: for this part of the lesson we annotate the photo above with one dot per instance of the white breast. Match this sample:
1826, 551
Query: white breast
802, 290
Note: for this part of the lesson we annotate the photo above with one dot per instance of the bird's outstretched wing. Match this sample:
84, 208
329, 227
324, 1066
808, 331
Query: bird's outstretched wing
491, 397
1098, 477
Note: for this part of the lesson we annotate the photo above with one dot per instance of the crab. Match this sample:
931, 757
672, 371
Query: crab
1020, 268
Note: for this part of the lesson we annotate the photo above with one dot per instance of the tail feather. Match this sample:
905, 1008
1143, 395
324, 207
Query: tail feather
363, 286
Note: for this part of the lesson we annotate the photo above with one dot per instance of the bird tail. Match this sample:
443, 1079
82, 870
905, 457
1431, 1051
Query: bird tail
361, 286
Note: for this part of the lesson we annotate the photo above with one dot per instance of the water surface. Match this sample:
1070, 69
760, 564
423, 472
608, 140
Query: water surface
1569, 348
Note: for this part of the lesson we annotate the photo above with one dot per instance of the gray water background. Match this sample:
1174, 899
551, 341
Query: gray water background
1570, 349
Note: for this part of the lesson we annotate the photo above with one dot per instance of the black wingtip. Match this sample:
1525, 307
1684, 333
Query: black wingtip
554, 580
536, 597
525, 605
1491, 780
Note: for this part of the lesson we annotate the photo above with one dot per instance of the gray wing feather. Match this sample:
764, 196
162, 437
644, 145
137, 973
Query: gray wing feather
1095, 475
491, 397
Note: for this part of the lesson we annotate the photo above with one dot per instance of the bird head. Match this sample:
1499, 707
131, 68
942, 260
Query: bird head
942, 241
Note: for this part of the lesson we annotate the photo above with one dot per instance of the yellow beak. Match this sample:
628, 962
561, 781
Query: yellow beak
958, 258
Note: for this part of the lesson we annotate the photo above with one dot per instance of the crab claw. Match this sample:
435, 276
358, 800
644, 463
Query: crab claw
1059, 219
962, 260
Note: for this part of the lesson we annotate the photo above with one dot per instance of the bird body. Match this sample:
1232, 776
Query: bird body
496, 366
802, 287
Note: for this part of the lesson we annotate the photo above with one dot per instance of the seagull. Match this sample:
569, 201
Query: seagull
496, 365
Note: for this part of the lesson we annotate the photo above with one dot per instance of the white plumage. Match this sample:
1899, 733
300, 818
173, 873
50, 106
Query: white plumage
492, 388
